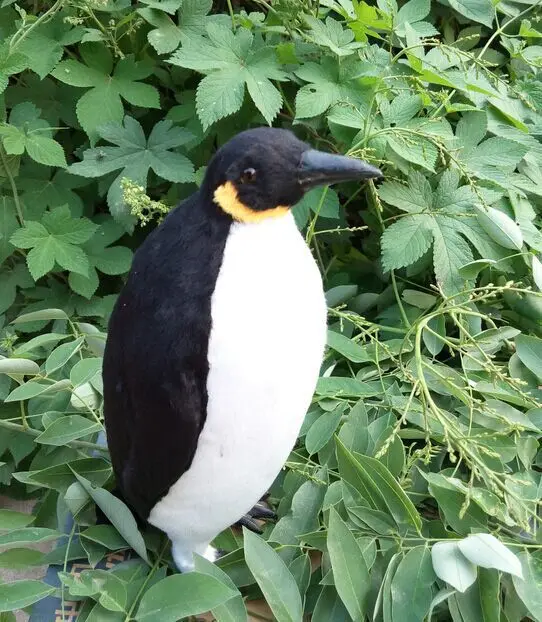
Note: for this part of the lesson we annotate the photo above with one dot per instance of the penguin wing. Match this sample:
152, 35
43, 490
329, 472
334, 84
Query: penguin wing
153, 425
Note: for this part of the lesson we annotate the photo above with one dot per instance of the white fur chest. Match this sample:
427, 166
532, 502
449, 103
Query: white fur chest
265, 351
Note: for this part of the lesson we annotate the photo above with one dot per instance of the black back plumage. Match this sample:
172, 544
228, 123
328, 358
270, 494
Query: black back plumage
155, 362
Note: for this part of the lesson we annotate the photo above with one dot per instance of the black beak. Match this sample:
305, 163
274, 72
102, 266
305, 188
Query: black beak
318, 168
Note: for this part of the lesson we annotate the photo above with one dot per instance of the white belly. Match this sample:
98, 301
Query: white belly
265, 351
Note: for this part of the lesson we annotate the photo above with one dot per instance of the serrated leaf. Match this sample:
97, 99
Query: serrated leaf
230, 63
478, 10
452, 566
405, 241
45, 151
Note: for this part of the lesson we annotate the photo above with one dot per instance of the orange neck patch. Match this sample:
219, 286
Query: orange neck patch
226, 197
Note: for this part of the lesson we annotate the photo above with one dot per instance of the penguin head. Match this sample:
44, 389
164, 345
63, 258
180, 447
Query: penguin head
262, 173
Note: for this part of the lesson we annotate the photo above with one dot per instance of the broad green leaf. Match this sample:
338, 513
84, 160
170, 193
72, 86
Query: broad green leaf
35, 388
20, 558
529, 350
478, 10
323, 429
452, 566
348, 348
329, 606
336, 385
119, 515
19, 366
376, 476
233, 610
62, 354
484, 550
106, 535
302, 516
500, 227
472, 269
411, 586
275, 580
67, 429
529, 588
19, 594
60, 477
111, 590
38, 342
28, 535
182, 595
43, 314
350, 572
85, 370
10, 519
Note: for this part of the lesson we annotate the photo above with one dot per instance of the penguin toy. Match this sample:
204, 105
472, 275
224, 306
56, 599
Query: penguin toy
215, 343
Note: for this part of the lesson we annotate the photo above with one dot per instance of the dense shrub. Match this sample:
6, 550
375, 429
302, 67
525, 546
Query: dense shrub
423, 437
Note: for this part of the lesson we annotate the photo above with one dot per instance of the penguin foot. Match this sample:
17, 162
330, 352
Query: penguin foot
258, 512
184, 559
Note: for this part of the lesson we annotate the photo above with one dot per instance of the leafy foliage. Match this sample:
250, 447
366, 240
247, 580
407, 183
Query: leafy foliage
414, 490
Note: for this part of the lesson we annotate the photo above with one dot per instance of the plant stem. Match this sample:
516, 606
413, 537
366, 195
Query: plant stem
398, 299
24, 33
13, 185
232, 15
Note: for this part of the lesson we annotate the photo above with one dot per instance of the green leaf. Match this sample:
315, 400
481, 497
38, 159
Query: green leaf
136, 155
452, 566
529, 350
231, 61
19, 366
67, 429
43, 314
60, 476
329, 607
275, 580
500, 228
106, 535
10, 519
119, 515
350, 572
20, 594
28, 535
411, 586
62, 354
529, 588
219, 95
336, 385
484, 550
233, 610
182, 595
405, 241
102, 103
34, 388
478, 10
20, 558
373, 475
45, 151
347, 347
323, 429
302, 516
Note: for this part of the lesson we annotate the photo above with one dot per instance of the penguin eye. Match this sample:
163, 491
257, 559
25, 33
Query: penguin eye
248, 176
